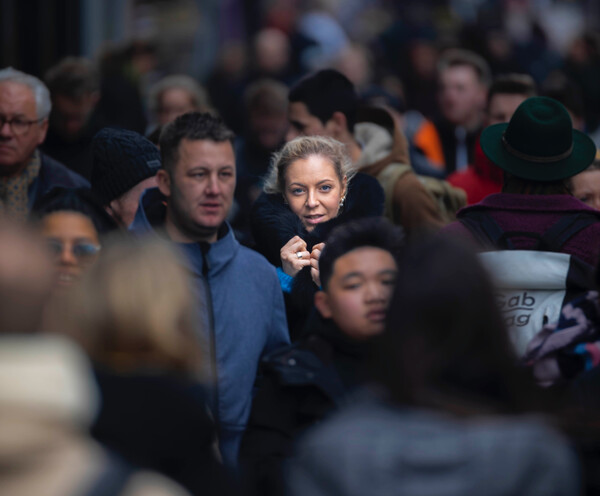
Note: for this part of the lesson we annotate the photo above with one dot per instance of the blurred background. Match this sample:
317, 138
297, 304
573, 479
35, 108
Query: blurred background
227, 44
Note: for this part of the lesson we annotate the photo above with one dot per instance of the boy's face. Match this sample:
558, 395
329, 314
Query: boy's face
359, 292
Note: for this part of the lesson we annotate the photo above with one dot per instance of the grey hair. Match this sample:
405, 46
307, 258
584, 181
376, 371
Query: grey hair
300, 149
43, 105
184, 82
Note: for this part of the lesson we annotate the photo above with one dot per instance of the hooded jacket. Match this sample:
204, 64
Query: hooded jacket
380, 449
481, 179
242, 312
411, 206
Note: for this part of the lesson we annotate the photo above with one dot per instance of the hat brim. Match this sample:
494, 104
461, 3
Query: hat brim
584, 151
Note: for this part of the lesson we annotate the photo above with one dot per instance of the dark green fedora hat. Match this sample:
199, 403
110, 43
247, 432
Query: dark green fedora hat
539, 143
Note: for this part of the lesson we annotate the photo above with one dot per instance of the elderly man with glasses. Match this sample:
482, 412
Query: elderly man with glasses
26, 174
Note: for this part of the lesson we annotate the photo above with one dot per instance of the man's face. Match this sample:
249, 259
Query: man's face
461, 96
17, 102
70, 115
303, 123
359, 292
502, 106
199, 189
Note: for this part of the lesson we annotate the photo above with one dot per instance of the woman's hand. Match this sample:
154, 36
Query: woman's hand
294, 256
314, 263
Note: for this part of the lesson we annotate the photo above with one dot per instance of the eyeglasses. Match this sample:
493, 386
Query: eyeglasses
82, 251
18, 126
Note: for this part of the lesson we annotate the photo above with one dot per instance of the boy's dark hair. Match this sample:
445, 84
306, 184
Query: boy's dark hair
73, 77
375, 232
512, 84
326, 92
193, 126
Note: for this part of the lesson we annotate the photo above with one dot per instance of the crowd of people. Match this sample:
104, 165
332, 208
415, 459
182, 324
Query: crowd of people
354, 295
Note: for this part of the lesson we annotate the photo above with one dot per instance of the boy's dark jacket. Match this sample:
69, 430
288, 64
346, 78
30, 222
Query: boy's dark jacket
298, 386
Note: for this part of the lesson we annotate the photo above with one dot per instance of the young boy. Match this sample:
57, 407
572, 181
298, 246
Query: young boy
300, 384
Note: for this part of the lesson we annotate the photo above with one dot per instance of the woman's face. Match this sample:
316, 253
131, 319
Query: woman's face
586, 187
73, 241
313, 190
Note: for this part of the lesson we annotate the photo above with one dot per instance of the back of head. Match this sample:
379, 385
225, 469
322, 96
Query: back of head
326, 92
134, 308
39, 89
193, 126
121, 160
538, 148
25, 279
445, 344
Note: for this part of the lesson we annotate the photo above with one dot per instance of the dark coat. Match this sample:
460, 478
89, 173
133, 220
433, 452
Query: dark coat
160, 421
299, 385
52, 174
274, 224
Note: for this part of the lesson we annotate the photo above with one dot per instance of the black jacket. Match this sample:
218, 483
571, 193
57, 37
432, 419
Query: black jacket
160, 421
52, 174
274, 224
297, 386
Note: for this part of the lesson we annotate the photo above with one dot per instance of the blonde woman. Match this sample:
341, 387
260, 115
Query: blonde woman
134, 315
310, 189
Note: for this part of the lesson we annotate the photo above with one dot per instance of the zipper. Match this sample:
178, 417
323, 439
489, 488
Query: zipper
205, 247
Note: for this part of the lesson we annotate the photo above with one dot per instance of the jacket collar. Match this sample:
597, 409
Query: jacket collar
150, 218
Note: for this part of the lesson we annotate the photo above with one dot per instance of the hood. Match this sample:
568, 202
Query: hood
484, 167
382, 142
46, 389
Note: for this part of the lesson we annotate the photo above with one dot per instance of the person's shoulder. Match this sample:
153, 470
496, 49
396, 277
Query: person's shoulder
56, 173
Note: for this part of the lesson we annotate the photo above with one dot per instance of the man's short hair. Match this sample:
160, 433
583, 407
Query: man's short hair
73, 77
194, 126
43, 105
326, 92
512, 84
458, 57
374, 232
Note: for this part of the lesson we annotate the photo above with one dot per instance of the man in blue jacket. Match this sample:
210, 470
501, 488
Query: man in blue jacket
242, 311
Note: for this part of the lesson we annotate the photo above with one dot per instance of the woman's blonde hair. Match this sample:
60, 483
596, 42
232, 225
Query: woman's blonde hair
135, 309
300, 149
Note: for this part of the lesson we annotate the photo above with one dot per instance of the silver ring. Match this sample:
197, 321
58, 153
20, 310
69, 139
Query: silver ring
299, 254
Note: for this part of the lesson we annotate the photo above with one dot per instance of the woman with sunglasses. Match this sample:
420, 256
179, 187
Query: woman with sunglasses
72, 224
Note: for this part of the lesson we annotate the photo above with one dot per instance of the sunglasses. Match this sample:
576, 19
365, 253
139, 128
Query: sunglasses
82, 251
